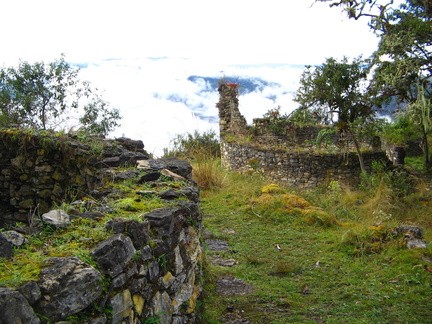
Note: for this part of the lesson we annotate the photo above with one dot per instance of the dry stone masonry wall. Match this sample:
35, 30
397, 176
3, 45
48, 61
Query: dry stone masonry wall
284, 151
301, 169
38, 169
231, 122
148, 269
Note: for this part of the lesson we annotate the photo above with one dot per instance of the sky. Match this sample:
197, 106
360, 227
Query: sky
140, 53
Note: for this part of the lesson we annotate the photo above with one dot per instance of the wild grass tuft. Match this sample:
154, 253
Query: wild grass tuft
203, 152
208, 174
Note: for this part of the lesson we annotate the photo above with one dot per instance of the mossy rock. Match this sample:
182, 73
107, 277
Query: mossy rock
272, 188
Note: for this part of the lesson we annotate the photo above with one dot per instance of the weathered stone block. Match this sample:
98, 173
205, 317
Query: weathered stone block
14, 308
138, 232
31, 291
58, 218
138, 302
58, 175
162, 220
153, 270
175, 165
28, 203
113, 254
121, 306
14, 238
44, 168
151, 176
68, 286
162, 305
146, 253
6, 250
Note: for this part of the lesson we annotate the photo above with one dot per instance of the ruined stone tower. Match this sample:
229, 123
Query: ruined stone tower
230, 119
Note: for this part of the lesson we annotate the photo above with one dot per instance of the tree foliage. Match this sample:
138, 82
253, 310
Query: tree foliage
337, 88
44, 96
403, 61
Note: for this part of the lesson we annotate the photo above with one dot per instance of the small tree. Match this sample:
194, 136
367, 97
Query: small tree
98, 118
403, 60
43, 96
337, 89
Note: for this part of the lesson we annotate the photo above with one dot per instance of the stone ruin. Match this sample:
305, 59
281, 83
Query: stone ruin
148, 269
288, 156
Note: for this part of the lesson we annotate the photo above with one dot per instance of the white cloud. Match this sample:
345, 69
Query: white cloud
157, 101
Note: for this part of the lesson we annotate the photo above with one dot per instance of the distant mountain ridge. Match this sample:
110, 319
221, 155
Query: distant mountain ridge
247, 85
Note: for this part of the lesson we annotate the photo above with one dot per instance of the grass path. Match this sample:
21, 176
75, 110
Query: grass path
301, 273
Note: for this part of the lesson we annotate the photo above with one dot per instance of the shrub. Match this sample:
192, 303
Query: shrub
194, 146
277, 205
203, 152
394, 183
361, 240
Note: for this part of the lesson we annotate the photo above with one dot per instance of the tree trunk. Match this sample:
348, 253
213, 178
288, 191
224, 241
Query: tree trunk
359, 154
425, 147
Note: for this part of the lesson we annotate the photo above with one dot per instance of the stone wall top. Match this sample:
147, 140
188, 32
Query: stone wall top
40, 168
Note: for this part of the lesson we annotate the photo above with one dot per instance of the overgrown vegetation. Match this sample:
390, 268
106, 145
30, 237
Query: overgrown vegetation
203, 151
82, 234
401, 65
324, 255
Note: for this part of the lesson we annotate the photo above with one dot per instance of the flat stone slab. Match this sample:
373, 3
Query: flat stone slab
219, 261
217, 245
232, 286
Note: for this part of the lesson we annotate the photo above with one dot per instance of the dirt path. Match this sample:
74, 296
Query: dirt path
230, 286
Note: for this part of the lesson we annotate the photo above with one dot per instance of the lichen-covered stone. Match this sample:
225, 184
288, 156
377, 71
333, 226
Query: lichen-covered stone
138, 302
137, 231
162, 306
57, 218
15, 238
180, 167
28, 203
68, 286
113, 254
14, 308
193, 299
162, 220
31, 291
6, 250
166, 280
121, 306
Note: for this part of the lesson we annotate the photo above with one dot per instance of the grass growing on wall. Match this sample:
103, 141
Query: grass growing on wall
82, 234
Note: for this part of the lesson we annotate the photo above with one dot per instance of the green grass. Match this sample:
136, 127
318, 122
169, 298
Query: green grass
414, 163
355, 274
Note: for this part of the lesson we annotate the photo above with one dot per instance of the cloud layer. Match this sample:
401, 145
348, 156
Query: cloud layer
157, 101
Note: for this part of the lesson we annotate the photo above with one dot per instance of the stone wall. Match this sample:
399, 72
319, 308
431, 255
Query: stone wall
300, 169
147, 269
38, 169
286, 152
231, 122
